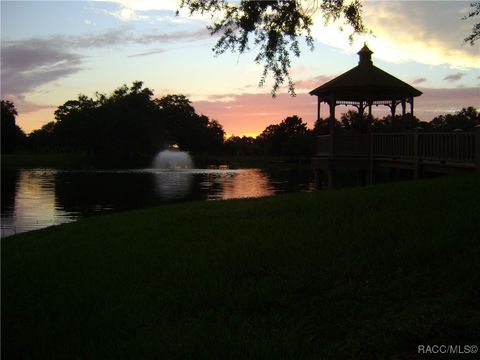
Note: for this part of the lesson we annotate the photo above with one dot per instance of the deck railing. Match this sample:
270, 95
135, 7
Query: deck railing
351, 145
461, 147
393, 145
447, 147
324, 145
343, 145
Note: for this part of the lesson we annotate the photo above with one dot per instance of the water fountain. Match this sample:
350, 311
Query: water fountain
172, 176
172, 159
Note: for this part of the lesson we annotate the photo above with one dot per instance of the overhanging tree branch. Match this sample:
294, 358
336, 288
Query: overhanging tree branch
475, 35
274, 27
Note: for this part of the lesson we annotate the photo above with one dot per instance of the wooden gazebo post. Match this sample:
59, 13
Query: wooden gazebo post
331, 128
393, 107
318, 109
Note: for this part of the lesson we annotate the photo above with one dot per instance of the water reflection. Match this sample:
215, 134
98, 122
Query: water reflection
9, 190
36, 198
172, 185
88, 193
215, 184
34, 205
253, 183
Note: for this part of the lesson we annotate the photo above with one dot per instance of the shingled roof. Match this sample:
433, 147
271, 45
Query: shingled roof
365, 82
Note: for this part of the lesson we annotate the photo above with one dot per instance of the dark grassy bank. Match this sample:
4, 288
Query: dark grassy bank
361, 273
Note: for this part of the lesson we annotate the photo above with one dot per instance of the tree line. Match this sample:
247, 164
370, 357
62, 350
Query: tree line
131, 125
291, 137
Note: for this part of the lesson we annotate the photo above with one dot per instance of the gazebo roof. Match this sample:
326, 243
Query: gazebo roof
365, 82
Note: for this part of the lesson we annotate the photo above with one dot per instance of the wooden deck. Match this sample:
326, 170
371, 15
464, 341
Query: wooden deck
416, 151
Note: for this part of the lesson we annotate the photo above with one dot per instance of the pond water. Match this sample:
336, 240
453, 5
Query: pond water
37, 198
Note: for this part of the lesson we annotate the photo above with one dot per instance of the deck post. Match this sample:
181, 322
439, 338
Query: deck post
331, 126
412, 122
416, 164
369, 120
359, 123
393, 107
371, 157
318, 109
477, 148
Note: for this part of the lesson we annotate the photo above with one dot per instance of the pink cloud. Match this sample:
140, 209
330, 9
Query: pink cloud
454, 77
313, 83
419, 80
252, 113
434, 102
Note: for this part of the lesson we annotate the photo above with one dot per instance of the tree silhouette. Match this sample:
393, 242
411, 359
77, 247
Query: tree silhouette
242, 146
352, 122
289, 138
42, 140
178, 115
465, 119
12, 135
275, 27
190, 131
128, 125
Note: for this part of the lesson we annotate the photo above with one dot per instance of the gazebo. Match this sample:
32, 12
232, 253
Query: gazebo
363, 86
363, 152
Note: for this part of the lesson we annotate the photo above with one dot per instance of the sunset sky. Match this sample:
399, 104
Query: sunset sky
52, 51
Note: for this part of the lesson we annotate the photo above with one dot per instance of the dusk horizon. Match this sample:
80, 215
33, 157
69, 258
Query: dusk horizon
73, 48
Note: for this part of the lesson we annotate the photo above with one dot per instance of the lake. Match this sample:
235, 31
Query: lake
41, 197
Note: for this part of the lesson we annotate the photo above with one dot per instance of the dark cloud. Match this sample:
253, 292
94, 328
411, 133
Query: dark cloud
31, 63
419, 80
454, 77
28, 65
28, 56
173, 37
114, 37
147, 53
23, 82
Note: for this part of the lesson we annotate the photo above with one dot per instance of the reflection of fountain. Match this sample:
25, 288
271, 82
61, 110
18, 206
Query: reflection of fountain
173, 184
172, 159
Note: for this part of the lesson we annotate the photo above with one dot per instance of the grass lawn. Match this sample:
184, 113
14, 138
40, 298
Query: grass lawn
361, 273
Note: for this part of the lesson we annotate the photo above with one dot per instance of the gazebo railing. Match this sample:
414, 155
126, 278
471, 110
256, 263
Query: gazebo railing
443, 147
